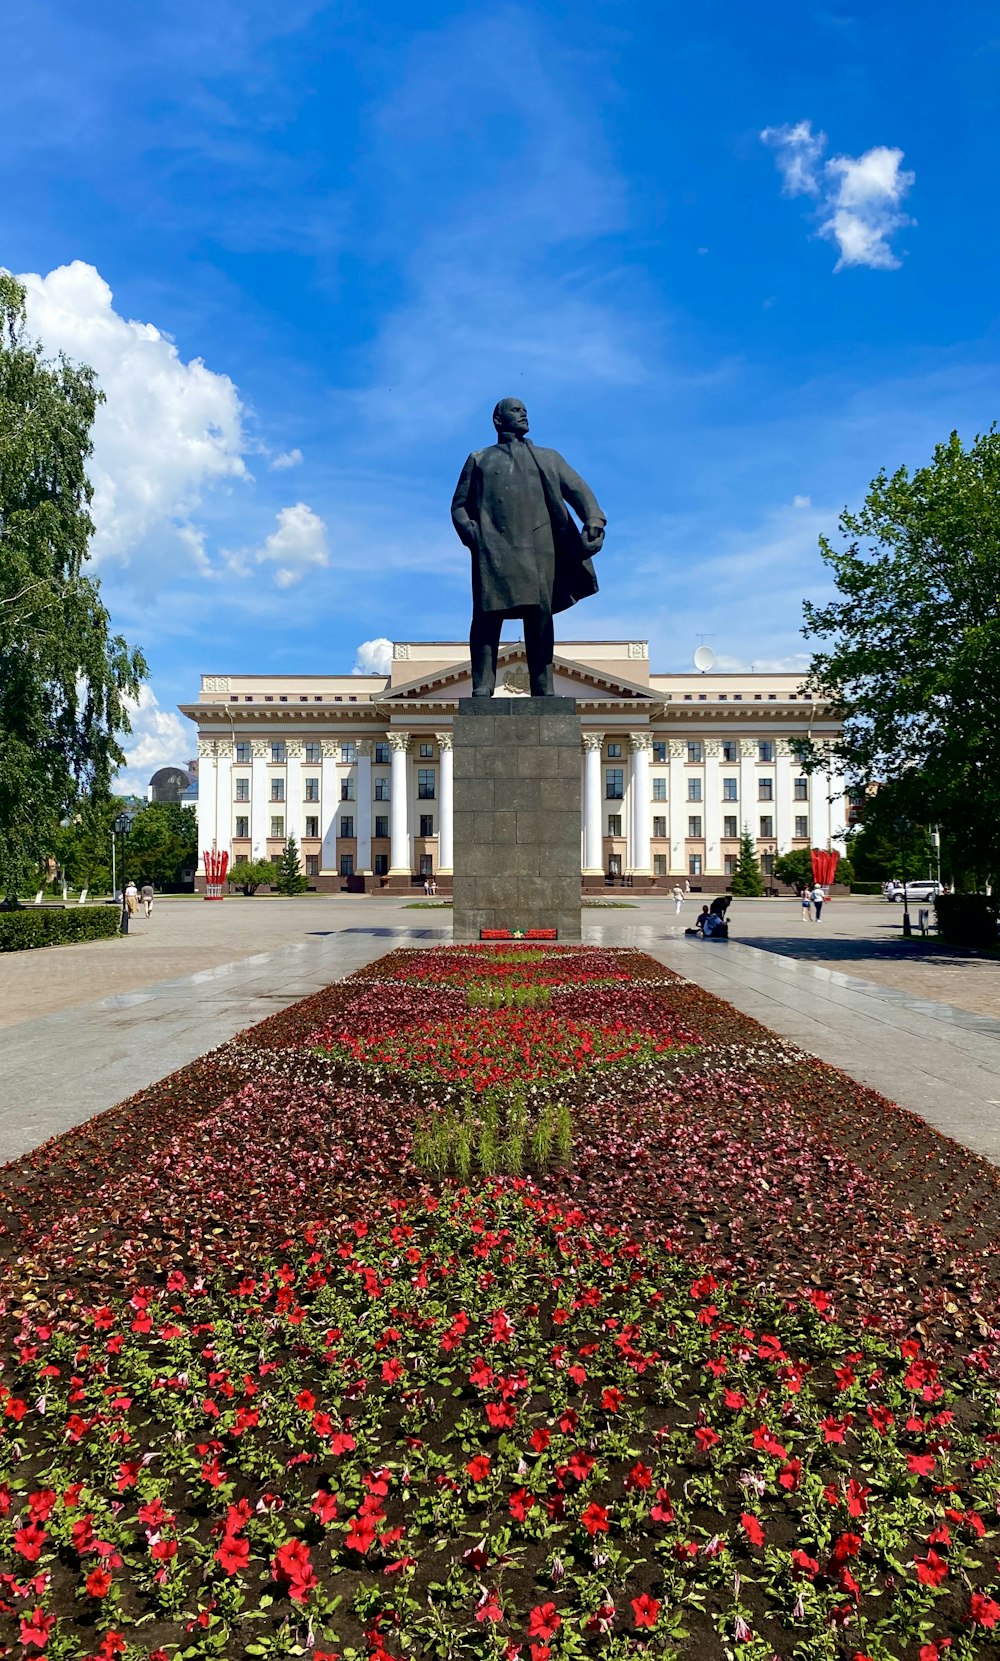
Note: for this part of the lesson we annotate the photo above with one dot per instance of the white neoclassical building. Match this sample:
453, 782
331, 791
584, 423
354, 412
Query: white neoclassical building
358, 768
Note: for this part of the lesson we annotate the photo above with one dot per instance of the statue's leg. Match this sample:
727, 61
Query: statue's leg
484, 644
539, 645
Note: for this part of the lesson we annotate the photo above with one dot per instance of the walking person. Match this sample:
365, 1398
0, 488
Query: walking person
806, 903
678, 894
817, 900
131, 898
147, 898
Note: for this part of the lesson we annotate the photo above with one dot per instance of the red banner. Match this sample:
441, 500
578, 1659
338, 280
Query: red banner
216, 866
824, 866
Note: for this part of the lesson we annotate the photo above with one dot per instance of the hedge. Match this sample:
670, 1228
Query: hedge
21, 930
967, 919
866, 888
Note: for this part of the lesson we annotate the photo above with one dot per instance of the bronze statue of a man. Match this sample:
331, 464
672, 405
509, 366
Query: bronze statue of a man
529, 559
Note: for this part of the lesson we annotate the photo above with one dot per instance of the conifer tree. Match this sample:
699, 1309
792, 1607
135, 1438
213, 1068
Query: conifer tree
290, 879
746, 880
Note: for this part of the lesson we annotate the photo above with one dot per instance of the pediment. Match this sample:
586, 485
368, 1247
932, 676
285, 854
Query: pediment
571, 680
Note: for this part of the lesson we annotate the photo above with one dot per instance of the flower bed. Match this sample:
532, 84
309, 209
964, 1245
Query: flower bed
718, 1380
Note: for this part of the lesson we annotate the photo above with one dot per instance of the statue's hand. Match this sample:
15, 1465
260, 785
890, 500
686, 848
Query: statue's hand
593, 536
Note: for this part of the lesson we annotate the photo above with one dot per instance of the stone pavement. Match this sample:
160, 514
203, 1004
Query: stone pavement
87, 1025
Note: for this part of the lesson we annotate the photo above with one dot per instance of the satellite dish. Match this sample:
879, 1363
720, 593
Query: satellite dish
704, 659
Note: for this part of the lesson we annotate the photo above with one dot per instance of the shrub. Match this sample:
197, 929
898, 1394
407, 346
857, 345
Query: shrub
251, 874
21, 930
967, 919
866, 888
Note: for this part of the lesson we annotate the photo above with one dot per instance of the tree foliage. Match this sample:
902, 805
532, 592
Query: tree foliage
64, 678
290, 879
911, 653
795, 868
251, 874
746, 880
161, 846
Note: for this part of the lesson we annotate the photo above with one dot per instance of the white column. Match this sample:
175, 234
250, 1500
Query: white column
293, 791
364, 807
207, 800
400, 862
838, 807
593, 842
819, 809
641, 863
749, 809
446, 822
713, 810
677, 805
259, 807
224, 797
783, 811
329, 807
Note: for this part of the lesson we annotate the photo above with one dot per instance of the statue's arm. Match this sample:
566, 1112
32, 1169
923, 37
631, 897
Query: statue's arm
581, 498
460, 517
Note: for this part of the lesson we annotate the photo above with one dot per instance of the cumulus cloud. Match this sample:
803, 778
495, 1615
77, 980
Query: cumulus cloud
373, 657
859, 198
168, 430
297, 544
286, 459
159, 738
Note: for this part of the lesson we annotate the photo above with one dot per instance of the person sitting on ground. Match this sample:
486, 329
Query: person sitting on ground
699, 922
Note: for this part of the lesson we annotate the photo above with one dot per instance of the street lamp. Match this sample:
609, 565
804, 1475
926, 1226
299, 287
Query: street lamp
903, 828
123, 824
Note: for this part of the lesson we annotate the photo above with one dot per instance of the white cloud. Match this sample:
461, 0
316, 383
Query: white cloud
373, 657
298, 543
168, 430
159, 738
287, 458
859, 197
801, 501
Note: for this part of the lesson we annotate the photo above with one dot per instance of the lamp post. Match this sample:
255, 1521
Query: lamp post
903, 827
123, 824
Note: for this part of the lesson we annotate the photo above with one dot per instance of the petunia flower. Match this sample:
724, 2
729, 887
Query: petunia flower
645, 1610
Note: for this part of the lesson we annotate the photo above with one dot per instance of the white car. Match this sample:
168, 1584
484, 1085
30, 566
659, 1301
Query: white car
920, 889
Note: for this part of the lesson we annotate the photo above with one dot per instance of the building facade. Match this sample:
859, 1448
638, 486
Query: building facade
358, 768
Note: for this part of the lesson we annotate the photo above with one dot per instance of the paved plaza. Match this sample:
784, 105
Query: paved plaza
83, 1026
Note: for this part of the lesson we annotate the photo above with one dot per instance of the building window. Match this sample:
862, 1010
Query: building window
729, 825
242, 825
766, 825
381, 790
312, 825
347, 865
730, 790
277, 826
614, 824
765, 790
427, 824
347, 825
312, 790
426, 865
312, 865
380, 865
659, 749
730, 749
242, 790
694, 790
614, 784
729, 864
277, 790
765, 749
659, 865
614, 751
382, 754
694, 825
426, 751
347, 752
425, 784
659, 790
243, 752
314, 752
694, 865
614, 865
801, 790
278, 751
381, 824
694, 749
802, 825
659, 824
347, 790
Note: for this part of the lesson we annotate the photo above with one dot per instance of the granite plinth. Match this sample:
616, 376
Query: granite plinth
516, 815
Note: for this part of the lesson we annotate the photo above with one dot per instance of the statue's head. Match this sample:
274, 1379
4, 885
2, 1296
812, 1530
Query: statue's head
510, 416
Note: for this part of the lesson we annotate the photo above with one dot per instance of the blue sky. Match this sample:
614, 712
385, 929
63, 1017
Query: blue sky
734, 259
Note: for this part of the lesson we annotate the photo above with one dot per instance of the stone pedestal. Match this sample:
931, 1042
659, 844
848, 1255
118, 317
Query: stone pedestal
516, 815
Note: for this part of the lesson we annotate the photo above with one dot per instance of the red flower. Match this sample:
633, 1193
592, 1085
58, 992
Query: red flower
520, 1503
29, 1541
663, 1510
489, 1608
611, 1399
640, 1476
234, 1554
479, 1467
984, 1611
544, 1622
292, 1567
920, 1464
324, 1506
35, 1628
595, 1519
645, 1610
361, 1535
706, 1437
808, 1565
932, 1569
751, 1528
98, 1583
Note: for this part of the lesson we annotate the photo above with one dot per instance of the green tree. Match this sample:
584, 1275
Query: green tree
251, 874
746, 879
911, 655
64, 679
290, 879
162, 843
795, 868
